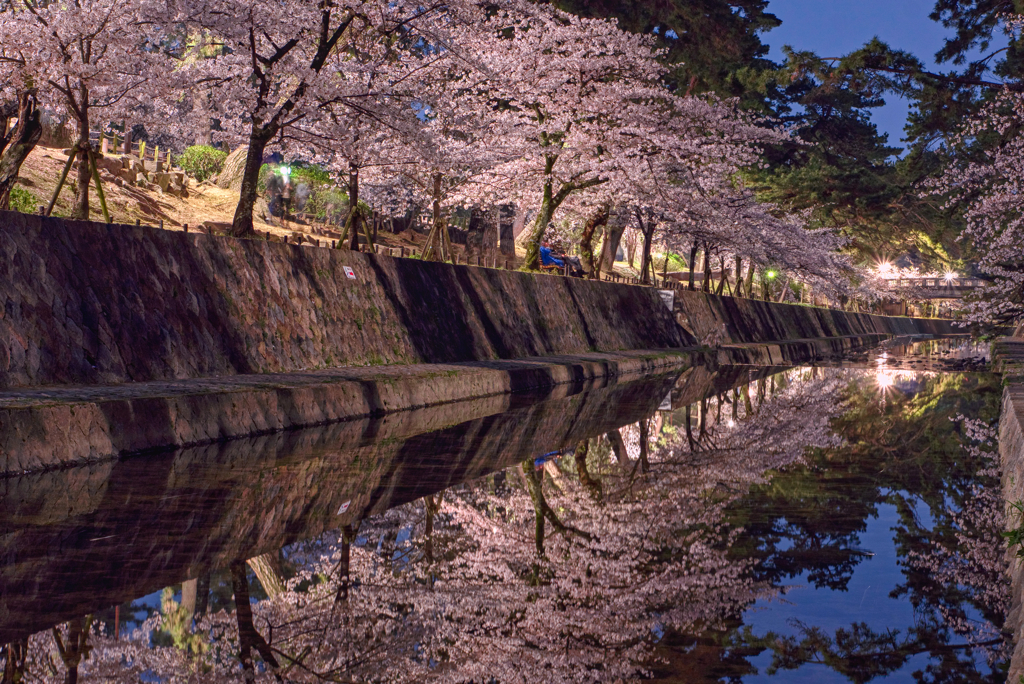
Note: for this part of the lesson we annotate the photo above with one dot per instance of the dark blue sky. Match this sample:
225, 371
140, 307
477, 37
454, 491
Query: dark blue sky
832, 28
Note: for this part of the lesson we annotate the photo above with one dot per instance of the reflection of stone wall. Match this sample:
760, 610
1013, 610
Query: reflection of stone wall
92, 303
81, 539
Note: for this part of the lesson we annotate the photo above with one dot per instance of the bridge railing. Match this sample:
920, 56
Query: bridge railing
942, 282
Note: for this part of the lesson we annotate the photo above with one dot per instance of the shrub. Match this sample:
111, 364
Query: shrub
328, 204
22, 200
202, 161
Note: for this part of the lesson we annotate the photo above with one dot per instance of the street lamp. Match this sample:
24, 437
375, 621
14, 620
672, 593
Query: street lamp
769, 275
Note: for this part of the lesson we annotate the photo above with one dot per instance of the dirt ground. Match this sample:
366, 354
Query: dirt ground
205, 202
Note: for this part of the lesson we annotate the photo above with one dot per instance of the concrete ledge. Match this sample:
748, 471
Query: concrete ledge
46, 428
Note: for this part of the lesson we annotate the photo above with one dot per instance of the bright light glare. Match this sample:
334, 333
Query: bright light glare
950, 275
285, 171
885, 268
770, 275
885, 379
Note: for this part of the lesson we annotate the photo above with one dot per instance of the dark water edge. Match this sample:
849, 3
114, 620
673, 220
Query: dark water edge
748, 524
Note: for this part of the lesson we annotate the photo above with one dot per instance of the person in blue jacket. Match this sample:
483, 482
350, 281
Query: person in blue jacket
547, 259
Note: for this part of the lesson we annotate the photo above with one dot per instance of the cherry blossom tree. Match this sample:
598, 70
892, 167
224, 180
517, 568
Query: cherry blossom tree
272, 66
90, 58
987, 189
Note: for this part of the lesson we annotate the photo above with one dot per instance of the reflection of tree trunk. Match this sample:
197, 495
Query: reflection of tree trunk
535, 484
688, 424
432, 505
592, 484
348, 535
15, 655
618, 447
75, 648
202, 595
268, 570
645, 429
541, 510
189, 590
248, 637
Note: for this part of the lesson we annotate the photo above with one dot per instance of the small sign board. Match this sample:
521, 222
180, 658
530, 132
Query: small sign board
668, 296
666, 403
344, 507
349, 272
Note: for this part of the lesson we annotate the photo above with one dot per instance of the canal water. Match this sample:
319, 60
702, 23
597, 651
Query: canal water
736, 524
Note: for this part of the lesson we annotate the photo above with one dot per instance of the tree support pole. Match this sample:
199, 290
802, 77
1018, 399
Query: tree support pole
60, 183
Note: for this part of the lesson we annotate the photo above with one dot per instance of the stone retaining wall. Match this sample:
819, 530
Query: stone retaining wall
91, 303
1011, 457
86, 303
729, 320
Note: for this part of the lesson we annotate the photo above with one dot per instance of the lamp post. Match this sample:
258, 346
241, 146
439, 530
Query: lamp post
768, 277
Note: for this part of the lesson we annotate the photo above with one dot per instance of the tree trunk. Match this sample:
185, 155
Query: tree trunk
17, 145
692, 264
739, 277
80, 209
599, 218
352, 221
547, 210
612, 236
706, 285
241, 225
750, 281
647, 229
432, 250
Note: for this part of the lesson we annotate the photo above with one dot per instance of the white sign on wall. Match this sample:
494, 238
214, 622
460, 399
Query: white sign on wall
344, 507
669, 297
349, 272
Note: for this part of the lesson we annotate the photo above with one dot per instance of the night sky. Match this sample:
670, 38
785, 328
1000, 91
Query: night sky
833, 28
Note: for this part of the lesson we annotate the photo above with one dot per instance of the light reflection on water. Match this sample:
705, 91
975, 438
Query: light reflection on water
757, 520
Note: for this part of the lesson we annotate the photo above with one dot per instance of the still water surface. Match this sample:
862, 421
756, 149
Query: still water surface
732, 525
